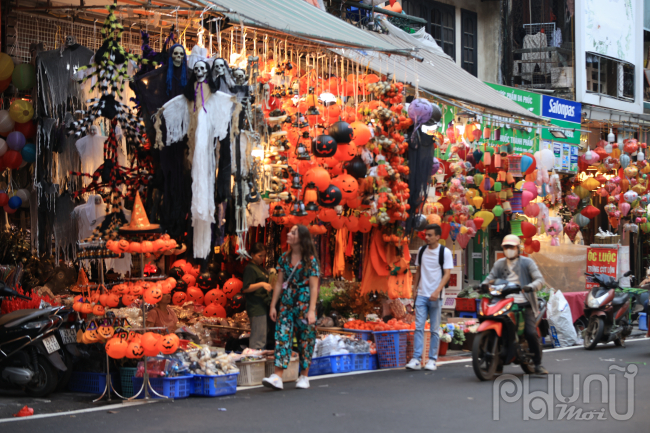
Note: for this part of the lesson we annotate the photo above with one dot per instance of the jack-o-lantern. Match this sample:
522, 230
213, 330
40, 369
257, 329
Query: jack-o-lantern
347, 184
189, 279
137, 289
151, 343
238, 303
361, 133
169, 343
205, 282
153, 295
331, 197
319, 177
135, 248
116, 347
364, 224
86, 307
176, 273
172, 282
179, 263
134, 350
147, 246
165, 287
356, 167
341, 132
215, 310
123, 245
98, 310
346, 152
179, 298
323, 146
232, 287
106, 330
128, 299
215, 296
90, 334
159, 246
120, 289
195, 295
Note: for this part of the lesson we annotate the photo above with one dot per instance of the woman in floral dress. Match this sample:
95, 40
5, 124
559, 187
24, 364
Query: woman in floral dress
297, 290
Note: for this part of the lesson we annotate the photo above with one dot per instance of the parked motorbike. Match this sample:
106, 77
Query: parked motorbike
30, 353
606, 312
499, 340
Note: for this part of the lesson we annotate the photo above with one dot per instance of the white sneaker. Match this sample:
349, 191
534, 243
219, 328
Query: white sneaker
273, 381
431, 365
414, 364
302, 382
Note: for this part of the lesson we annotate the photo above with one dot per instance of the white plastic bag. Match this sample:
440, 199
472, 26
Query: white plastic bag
559, 316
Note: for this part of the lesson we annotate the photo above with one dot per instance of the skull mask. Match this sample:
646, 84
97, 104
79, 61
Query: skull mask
177, 56
93, 130
70, 41
220, 67
200, 71
240, 77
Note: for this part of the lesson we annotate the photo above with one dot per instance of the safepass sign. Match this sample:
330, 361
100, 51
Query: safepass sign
561, 109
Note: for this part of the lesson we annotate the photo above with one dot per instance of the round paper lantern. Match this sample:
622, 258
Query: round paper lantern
6, 122
528, 230
624, 160
486, 216
4, 199
630, 196
21, 111
526, 163
6, 66
497, 211
9, 210
16, 141
23, 194
581, 192
532, 210
15, 202
590, 184
590, 211
28, 153
624, 207
526, 197
547, 158
319, 176
28, 129
24, 76
581, 220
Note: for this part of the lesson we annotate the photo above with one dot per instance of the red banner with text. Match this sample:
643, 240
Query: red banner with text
601, 261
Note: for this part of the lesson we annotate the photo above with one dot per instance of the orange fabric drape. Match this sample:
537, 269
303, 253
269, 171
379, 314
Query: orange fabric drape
339, 252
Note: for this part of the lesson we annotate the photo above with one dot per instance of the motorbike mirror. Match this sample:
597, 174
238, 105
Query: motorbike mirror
628, 273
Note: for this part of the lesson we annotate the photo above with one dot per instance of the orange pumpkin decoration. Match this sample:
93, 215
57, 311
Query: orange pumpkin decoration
232, 287
215, 310
147, 247
165, 287
179, 264
179, 298
137, 289
86, 308
169, 344
135, 247
319, 176
172, 282
216, 296
105, 330
98, 310
348, 186
152, 295
195, 295
151, 343
159, 246
123, 245
91, 335
128, 299
189, 279
116, 347
134, 350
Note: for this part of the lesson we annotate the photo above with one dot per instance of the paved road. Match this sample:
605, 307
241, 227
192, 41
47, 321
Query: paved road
451, 399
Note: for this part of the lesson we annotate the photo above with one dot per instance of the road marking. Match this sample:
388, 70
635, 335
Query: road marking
75, 412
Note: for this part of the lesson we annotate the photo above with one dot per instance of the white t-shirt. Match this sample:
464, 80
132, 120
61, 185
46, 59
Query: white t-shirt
430, 273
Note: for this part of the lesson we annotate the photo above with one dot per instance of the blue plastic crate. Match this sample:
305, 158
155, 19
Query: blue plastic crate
362, 335
174, 387
214, 386
330, 365
374, 363
361, 361
643, 322
391, 348
91, 383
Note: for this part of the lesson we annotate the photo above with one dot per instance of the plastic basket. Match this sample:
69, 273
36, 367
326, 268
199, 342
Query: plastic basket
362, 335
361, 361
643, 322
251, 372
290, 374
374, 363
91, 383
466, 304
391, 348
214, 386
330, 365
126, 379
410, 345
173, 387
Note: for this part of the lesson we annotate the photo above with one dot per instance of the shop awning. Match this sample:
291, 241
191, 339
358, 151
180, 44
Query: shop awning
302, 20
437, 73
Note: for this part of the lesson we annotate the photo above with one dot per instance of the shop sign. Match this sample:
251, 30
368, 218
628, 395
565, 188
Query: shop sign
561, 109
571, 130
529, 100
601, 261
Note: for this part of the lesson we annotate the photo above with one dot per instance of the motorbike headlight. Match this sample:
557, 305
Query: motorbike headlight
504, 309
35, 325
593, 302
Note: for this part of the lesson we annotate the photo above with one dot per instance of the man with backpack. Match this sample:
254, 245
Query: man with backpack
434, 264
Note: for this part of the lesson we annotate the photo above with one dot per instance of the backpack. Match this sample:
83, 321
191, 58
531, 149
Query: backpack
441, 259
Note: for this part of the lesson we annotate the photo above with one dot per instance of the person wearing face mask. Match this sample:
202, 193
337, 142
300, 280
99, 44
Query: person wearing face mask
524, 272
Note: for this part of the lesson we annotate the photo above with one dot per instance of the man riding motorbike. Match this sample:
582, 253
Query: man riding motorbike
524, 272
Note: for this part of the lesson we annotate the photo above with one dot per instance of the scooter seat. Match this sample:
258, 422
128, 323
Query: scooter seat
620, 299
15, 315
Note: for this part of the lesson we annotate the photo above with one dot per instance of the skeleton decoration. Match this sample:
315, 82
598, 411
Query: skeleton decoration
178, 54
222, 76
177, 59
205, 122
240, 77
70, 42
110, 70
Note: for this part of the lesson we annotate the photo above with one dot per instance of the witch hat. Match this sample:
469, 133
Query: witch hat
139, 220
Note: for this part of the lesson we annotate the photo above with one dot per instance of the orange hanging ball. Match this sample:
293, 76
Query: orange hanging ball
232, 287
319, 176
153, 295
347, 184
215, 296
189, 279
195, 295
134, 350
151, 343
116, 348
179, 298
169, 344
362, 133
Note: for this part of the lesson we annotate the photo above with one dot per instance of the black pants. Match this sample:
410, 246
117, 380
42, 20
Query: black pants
530, 332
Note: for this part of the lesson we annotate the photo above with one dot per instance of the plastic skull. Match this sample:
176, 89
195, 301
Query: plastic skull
239, 76
220, 67
70, 41
177, 56
200, 71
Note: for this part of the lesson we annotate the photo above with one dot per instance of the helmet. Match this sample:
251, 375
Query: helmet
511, 240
